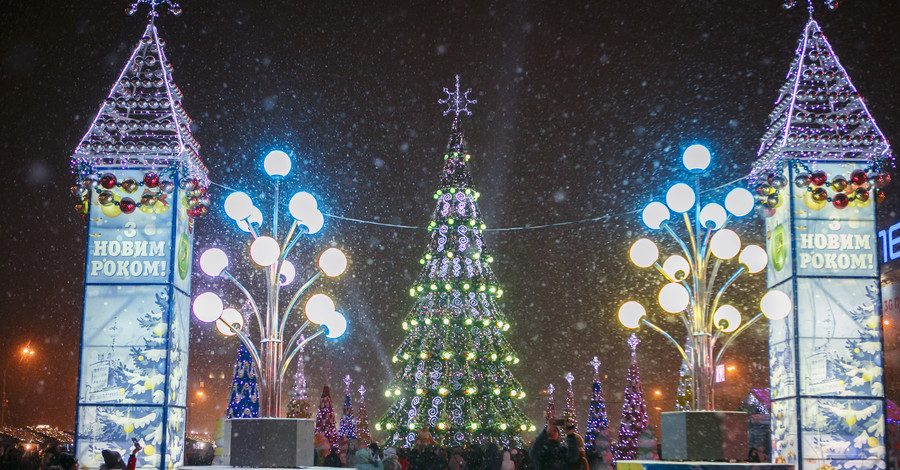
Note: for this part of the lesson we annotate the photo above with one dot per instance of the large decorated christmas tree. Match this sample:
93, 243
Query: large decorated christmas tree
634, 409
454, 379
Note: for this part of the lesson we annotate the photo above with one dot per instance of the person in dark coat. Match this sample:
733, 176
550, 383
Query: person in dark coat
332, 459
575, 457
546, 451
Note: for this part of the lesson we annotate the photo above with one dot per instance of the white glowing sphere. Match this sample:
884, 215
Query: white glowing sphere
318, 308
725, 244
238, 205
696, 157
336, 324
313, 221
207, 307
287, 273
754, 258
712, 216
630, 314
231, 317
680, 198
727, 318
213, 261
677, 267
302, 204
673, 297
264, 251
255, 218
775, 305
739, 202
333, 262
655, 214
277, 163
643, 253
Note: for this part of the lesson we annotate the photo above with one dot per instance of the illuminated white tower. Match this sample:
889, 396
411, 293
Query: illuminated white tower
140, 187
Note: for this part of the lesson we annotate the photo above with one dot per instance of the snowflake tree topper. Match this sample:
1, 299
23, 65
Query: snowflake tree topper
596, 365
174, 8
569, 378
633, 341
831, 4
347, 382
456, 101
362, 393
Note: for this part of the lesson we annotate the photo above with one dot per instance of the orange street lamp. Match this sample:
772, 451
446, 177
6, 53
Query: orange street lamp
26, 353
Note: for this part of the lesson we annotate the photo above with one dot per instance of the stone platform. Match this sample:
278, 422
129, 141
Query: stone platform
672, 465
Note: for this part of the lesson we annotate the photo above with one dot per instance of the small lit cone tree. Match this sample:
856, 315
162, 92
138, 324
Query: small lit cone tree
362, 420
347, 427
454, 380
569, 413
550, 412
691, 291
597, 419
243, 401
298, 406
272, 257
684, 395
325, 417
634, 409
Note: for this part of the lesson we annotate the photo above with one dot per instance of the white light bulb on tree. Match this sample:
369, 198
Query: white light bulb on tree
213, 261
754, 257
680, 198
775, 305
301, 205
231, 317
264, 251
207, 307
727, 318
696, 158
336, 324
313, 221
725, 244
318, 308
238, 205
287, 273
677, 267
644, 253
739, 202
674, 298
630, 314
255, 219
713, 216
277, 163
655, 214
333, 262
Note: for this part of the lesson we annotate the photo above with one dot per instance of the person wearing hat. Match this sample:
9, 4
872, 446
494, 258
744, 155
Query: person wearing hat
546, 452
113, 459
575, 455
391, 461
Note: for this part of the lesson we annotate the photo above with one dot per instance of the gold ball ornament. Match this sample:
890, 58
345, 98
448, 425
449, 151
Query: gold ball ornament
856, 350
122, 391
148, 384
873, 441
812, 203
140, 358
146, 209
128, 428
867, 376
872, 322
129, 185
159, 329
106, 198
111, 211
149, 450
851, 420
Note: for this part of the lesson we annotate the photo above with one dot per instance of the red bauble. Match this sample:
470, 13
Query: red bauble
108, 181
189, 184
151, 180
858, 177
127, 205
882, 180
840, 201
818, 178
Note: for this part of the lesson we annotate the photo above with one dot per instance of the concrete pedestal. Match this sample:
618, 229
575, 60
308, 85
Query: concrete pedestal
269, 442
705, 436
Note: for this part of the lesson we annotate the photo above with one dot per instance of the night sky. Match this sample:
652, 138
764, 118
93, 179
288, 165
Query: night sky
583, 111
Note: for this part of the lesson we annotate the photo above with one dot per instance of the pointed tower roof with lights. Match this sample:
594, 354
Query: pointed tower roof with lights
819, 115
142, 122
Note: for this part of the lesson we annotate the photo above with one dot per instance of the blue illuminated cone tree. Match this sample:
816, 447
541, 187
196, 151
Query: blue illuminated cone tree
243, 401
597, 424
347, 427
454, 379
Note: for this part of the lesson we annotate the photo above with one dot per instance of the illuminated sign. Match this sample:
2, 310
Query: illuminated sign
889, 240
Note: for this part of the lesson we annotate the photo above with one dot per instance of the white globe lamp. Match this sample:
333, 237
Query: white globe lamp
207, 307
255, 218
333, 262
277, 164
336, 325
654, 215
301, 205
231, 317
213, 261
725, 244
264, 251
754, 258
680, 198
727, 318
775, 305
287, 273
677, 267
739, 202
318, 308
630, 314
238, 205
713, 216
673, 297
644, 253
696, 158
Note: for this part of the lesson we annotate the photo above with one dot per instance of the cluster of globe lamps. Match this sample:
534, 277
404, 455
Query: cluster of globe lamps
687, 292
266, 252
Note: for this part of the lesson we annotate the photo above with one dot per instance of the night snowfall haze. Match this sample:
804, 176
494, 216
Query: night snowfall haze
583, 111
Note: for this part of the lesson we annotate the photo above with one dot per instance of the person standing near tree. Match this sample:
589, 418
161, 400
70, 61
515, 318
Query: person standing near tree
546, 451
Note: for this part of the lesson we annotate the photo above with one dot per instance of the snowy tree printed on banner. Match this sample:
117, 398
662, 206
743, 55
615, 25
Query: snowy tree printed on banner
784, 431
843, 434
